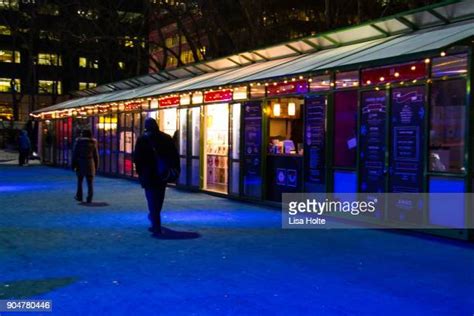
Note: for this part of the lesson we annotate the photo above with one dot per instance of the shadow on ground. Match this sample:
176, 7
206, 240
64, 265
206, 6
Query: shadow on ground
170, 234
94, 204
28, 288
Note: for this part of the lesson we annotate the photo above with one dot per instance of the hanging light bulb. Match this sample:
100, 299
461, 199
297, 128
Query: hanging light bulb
291, 109
276, 109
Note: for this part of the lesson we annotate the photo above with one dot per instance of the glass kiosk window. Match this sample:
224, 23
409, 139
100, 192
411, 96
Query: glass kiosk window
448, 110
168, 120
216, 139
285, 147
285, 127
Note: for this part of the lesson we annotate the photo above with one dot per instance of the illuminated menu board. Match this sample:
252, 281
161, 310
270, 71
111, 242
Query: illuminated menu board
372, 142
252, 148
315, 130
406, 172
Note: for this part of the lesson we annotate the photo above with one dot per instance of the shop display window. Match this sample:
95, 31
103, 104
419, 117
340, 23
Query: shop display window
453, 65
216, 147
447, 126
285, 126
168, 121
345, 128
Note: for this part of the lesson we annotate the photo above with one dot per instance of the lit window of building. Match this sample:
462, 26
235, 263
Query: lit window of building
132, 41
171, 61
85, 62
9, 5
49, 59
10, 56
5, 30
87, 85
187, 57
49, 87
6, 85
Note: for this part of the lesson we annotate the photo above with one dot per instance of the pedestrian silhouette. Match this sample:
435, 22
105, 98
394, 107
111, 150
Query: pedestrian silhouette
85, 161
24, 148
157, 163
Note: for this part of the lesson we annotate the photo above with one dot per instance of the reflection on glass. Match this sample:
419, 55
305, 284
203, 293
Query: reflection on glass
320, 83
347, 79
447, 125
235, 130
182, 131
168, 121
195, 123
454, 65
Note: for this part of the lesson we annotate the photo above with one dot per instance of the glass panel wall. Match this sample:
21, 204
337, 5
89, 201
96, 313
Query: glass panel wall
195, 145
235, 154
137, 129
181, 144
447, 126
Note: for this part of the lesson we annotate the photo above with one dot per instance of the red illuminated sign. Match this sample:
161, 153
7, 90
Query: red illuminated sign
169, 101
293, 87
217, 96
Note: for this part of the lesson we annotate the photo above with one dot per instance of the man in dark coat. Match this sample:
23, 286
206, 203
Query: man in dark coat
24, 148
151, 144
85, 161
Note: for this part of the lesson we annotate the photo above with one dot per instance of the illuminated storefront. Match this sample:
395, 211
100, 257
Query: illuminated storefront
381, 115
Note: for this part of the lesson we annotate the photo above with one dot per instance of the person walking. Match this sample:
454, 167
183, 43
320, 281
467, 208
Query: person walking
157, 163
85, 161
24, 148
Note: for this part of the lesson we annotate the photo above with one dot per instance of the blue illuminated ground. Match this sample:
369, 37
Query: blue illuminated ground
102, 260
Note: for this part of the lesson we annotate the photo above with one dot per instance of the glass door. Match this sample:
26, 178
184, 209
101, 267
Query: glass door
182, 146
234, 153
194, 136
216, 143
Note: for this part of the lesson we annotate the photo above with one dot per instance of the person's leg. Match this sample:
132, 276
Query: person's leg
155, 197
21, 158
79, 187
90, 188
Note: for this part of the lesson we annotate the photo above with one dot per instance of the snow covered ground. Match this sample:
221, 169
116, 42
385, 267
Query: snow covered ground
101, 260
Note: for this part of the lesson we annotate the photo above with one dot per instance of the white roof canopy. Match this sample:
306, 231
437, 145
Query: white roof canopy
425, 30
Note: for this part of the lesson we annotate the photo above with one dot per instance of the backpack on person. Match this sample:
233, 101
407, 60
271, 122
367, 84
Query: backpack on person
166, 164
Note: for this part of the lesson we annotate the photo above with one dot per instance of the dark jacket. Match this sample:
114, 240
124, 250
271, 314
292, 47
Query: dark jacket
85, 158
24, 143
144, 157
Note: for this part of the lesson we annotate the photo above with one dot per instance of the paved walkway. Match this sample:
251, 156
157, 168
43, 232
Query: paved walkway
101, 260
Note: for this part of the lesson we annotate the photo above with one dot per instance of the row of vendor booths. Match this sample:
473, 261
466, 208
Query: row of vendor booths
375, 108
